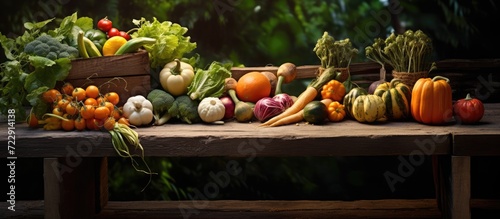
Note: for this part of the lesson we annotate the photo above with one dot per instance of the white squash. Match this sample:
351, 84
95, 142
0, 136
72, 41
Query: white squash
211, 109
176, 76
369, 108
138, 110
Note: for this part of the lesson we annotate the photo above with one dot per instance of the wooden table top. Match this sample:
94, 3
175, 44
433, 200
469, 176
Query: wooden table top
347, 138
481, 139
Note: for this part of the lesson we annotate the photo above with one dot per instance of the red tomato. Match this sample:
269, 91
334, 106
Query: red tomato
468, 110
125, 35
105, 24
113, 32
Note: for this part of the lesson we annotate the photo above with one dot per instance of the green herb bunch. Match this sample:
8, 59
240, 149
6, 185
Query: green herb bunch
334, 53
408, 52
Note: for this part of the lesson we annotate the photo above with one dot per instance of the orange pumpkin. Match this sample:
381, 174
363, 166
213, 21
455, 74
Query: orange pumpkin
336, 112
334, 90
431, 101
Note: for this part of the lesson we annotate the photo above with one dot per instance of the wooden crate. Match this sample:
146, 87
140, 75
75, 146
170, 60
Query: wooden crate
127, 74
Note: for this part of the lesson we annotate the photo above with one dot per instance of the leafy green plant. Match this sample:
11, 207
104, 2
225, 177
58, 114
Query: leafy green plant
170, 40
26, 76
408, 52
334, 53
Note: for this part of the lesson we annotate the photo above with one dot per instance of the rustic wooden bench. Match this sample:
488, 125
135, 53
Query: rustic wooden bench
75, 166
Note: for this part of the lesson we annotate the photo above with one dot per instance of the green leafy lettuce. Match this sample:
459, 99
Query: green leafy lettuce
210, 82
170, 40
25, 77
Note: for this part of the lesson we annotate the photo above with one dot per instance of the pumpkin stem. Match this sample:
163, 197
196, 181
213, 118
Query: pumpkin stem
177, 69
468, 97
441, 78
394, 82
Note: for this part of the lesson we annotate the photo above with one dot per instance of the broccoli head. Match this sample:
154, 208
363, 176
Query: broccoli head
185, 109
49, 47
30, 47
162, 102
71, 51
51, 55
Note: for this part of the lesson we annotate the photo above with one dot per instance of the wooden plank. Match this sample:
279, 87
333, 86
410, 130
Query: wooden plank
311, 71
397, 208
102, 191
348, 138
70, 190
488, 204
305, 71
362, 68
476, 144
110, 66
460, 186
441, 172
479, 139
52, 190
34, 209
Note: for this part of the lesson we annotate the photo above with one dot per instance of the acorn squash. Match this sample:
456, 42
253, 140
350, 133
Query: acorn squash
369, 108
397, 99
350, 97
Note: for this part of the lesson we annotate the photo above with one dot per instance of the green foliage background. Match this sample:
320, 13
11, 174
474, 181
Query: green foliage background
258, 33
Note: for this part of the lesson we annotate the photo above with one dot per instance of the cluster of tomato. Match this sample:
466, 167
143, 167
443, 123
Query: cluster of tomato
77, 108
106, 25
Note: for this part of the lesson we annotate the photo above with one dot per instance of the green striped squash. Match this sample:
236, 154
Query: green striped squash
369, 108
350, 97
397, 99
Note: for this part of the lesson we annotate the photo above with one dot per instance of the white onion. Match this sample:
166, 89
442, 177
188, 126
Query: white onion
284, 99
266, 108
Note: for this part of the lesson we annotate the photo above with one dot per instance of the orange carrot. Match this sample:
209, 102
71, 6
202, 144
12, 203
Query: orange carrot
305, 97
296, 117
302, 100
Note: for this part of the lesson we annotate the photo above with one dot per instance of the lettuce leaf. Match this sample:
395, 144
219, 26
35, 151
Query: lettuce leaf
210, 82
170, 43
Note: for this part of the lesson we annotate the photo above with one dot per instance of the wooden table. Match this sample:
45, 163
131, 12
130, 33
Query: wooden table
75, 165
471, 140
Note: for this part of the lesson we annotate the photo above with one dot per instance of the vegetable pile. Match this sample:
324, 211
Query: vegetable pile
41, 57
87, 109
185, 93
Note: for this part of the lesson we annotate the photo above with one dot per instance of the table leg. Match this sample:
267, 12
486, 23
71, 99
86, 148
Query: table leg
51, 189
441, 172
74, 189
460, 187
